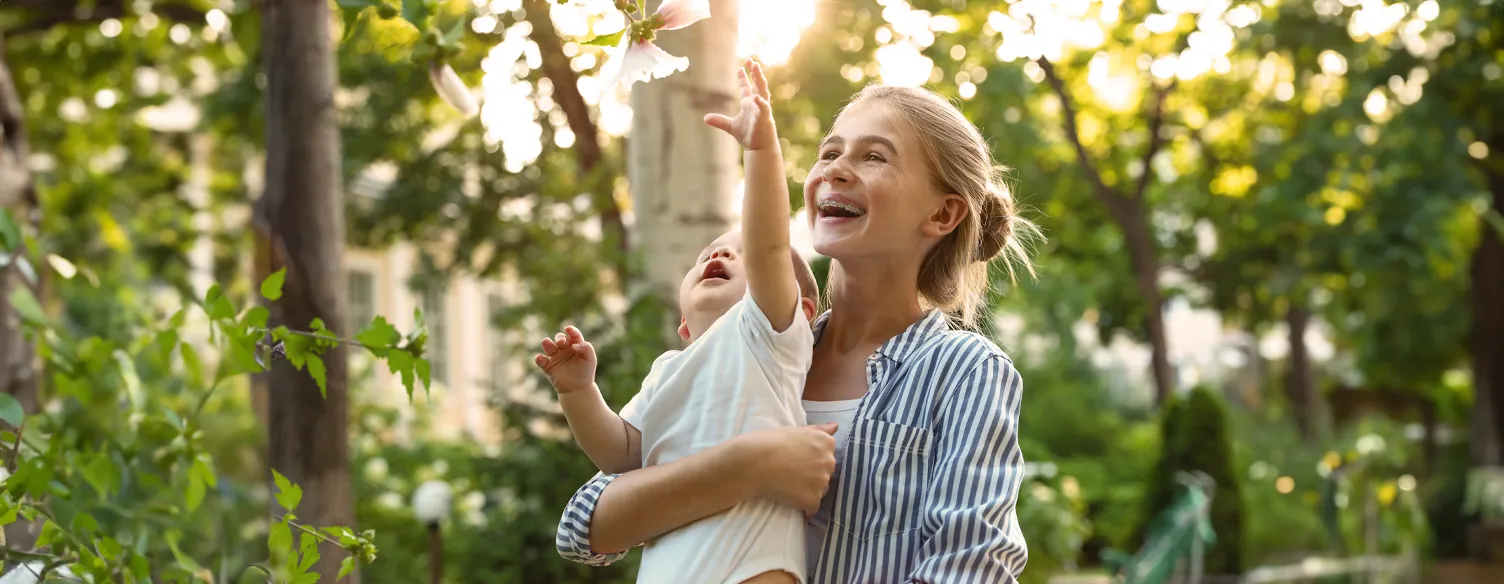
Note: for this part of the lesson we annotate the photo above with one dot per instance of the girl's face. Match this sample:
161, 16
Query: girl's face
870, 193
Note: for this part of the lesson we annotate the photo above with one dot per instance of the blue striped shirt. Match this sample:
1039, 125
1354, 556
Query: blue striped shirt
927, 487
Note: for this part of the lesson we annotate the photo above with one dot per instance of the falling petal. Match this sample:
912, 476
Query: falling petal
452, 89
677, 14
641, 61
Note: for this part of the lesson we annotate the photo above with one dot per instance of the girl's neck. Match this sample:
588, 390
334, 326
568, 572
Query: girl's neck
870, 306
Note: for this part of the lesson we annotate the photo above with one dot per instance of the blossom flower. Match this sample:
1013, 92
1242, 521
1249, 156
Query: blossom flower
452, 89
638, 59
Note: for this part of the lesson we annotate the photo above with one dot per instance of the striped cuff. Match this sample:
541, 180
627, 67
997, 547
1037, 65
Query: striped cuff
573, 538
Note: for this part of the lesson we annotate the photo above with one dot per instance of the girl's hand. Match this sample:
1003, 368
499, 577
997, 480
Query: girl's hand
568, 360
792, 466
753, 125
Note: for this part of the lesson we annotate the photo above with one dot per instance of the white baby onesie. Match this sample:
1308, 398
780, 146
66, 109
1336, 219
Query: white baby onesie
739, 376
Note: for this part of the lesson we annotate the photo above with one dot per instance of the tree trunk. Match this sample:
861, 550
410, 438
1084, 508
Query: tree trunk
1143, 259
1300, 379
19, 363
1487, 337
308, 433
683, 173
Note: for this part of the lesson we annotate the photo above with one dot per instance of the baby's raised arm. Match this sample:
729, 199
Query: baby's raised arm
765, 208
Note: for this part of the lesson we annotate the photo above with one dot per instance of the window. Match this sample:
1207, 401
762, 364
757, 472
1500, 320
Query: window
360, 291
437, 350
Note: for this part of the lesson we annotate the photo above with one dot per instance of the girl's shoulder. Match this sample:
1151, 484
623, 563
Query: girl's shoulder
966, 346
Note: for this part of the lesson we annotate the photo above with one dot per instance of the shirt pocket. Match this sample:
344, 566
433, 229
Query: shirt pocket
888, 471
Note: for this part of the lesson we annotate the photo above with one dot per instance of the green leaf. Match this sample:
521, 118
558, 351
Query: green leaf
10, 233
26, 304
83, 522
50, 531
10, 410
401, 362
271, 287
378, 336
316, 369
288, 494
454, 34
309, 549
100, 474
192, 363
308, 578
607, 40
217, 305
108, 547
256, 317
178, 318
345, 567
416, 12
423, 367
357, 3
193, 495
9, 516
279, 541
173, 537
205, 472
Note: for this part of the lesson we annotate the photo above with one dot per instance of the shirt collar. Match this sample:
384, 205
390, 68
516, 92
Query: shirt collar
899, 347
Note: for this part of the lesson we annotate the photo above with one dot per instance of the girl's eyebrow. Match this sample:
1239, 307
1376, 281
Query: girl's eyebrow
869, 139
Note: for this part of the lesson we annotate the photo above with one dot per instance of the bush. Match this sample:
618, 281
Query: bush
1196, 438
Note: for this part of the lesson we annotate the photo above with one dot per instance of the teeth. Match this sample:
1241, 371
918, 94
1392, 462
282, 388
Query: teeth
827, 205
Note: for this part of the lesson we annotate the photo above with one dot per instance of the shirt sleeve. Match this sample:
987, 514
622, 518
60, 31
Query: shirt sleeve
792, 349
573, 537
974, 485
632, 412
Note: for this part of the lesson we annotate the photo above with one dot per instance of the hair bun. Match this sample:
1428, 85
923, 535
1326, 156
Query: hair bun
996, 219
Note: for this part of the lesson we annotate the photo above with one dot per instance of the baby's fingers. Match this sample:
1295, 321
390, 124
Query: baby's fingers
574, 335
549, 348
541, 362
759, 81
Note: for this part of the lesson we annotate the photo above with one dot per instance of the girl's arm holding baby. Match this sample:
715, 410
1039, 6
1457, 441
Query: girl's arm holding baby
610, 442
765, 209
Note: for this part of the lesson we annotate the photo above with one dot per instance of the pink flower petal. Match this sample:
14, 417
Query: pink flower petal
678, 14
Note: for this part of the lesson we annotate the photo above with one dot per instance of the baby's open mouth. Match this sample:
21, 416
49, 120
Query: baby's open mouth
715, 270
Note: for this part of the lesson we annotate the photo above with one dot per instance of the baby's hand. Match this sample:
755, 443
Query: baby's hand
568, 361
753, 125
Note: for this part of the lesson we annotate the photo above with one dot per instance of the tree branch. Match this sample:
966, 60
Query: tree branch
587, 146
1109, 195
1156, 141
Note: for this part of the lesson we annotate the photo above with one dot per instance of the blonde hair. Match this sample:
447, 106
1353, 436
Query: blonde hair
954, 274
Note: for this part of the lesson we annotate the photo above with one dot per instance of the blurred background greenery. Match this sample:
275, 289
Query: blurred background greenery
1273, 247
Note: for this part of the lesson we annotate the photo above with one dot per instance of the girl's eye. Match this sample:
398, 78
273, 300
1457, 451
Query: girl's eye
875, 157
829, 155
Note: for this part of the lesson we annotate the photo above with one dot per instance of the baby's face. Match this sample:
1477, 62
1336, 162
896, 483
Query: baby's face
718, 279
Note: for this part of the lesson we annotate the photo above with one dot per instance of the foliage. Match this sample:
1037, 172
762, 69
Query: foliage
123, 497
1052, 513
1199, 440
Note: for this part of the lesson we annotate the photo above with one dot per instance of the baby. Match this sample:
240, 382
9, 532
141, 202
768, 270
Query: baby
747, 305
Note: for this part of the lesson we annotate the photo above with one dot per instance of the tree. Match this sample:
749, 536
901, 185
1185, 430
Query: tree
308, 418
682, 172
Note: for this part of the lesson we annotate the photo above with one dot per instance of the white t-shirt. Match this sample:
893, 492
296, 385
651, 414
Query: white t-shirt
739, 376
841, 412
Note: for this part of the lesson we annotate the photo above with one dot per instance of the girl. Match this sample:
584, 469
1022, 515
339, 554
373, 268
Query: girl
916, 421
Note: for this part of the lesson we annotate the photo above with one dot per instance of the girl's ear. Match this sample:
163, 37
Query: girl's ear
947, 217
683, 328
808, 305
